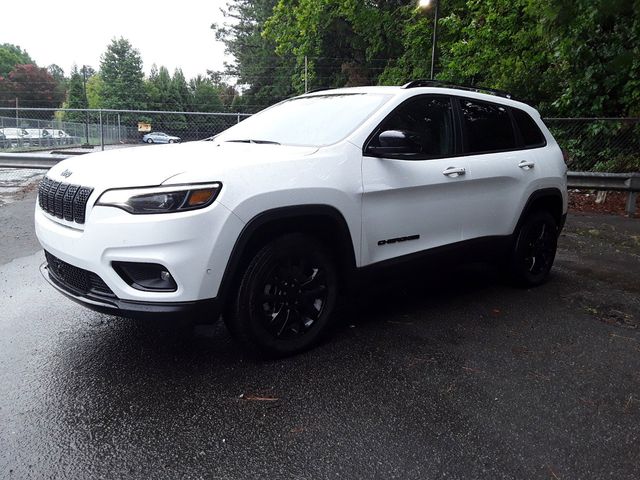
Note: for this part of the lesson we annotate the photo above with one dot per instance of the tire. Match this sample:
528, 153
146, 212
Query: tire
286, 297
534, 250
149, 140
172, 141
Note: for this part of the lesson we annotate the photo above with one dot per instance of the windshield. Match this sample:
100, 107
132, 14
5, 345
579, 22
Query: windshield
307, 121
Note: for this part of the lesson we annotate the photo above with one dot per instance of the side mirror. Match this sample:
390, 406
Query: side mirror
393, 142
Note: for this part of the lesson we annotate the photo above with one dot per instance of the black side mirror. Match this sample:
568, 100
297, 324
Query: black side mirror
393, 142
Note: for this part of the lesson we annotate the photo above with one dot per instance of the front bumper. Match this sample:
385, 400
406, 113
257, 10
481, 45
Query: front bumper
133, 309
193, 246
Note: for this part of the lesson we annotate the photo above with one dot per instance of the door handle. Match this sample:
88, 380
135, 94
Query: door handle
526, 165
454, 171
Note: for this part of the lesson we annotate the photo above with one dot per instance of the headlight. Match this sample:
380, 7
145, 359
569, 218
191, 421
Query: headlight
174, 198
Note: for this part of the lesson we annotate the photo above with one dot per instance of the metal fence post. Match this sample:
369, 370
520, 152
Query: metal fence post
86, 125
634, 186
631, 203
101, 132
238, 117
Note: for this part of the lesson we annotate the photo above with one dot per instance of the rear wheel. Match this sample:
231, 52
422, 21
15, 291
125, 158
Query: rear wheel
286, 297
534, 250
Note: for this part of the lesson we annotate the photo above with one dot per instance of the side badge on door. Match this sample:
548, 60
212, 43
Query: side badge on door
398, 240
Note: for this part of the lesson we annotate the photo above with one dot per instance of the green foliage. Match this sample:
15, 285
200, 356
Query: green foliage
206, 97
180, 90
596, 56
95, 86
567, 57
168, 94
10, 56
266, 74
346, 43
76, 97
123, 80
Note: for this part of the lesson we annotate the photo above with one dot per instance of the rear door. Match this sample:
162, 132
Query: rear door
499, 168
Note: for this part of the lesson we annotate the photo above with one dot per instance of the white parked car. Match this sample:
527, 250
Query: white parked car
160, 137
269, 220
16, 136
47, 136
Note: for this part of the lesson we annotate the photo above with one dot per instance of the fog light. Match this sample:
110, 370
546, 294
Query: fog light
146, 276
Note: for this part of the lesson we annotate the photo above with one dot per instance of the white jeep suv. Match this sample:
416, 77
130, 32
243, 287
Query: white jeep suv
267, 221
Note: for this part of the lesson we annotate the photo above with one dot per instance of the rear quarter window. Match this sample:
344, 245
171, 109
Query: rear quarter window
531, 135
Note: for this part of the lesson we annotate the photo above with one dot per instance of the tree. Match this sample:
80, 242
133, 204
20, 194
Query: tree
498, 44
158, 89
166, 93
345, 43
266, 74
180, 90
76, 97
10, 56
95, 86
596, 55
123, 80
205, 95
32, 86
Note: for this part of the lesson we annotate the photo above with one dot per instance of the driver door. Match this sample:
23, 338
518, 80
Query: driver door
413, 193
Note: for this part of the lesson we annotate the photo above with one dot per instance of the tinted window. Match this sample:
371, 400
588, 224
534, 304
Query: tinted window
531, 134
427, 120
487, 127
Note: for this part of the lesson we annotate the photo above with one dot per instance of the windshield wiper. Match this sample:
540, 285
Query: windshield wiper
251, 140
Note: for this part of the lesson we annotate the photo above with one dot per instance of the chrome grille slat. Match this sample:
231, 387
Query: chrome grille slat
64, 200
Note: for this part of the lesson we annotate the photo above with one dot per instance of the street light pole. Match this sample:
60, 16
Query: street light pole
424, 5
435, 38
86, 103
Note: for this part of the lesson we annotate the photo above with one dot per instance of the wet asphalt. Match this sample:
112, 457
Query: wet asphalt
449, 374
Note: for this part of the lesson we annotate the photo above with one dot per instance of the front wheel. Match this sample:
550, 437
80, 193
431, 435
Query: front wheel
286, 297
149, 140
534, 250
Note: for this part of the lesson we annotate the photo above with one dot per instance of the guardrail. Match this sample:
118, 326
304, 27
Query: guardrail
622, 182
30, 160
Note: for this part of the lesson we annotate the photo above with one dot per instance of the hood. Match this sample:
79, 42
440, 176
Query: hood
139, 166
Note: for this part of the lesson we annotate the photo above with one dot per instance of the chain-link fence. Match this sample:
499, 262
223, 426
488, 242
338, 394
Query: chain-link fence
593, 144
599, 144
31, 129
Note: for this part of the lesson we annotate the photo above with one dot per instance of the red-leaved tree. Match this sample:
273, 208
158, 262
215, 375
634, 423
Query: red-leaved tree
32, 86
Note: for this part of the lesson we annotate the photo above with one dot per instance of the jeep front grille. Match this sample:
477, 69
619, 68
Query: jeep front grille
63, 200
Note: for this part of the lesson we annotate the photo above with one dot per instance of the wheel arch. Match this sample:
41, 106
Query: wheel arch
548, 199
322, 221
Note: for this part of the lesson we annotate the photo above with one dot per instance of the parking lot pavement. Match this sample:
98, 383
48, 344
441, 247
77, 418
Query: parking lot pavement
453, 375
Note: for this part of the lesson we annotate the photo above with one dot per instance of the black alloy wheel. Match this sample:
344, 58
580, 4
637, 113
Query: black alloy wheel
535, 249
286, 297
293, 297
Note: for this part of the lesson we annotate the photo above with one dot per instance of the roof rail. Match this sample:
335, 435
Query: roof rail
319, 89
443, 84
